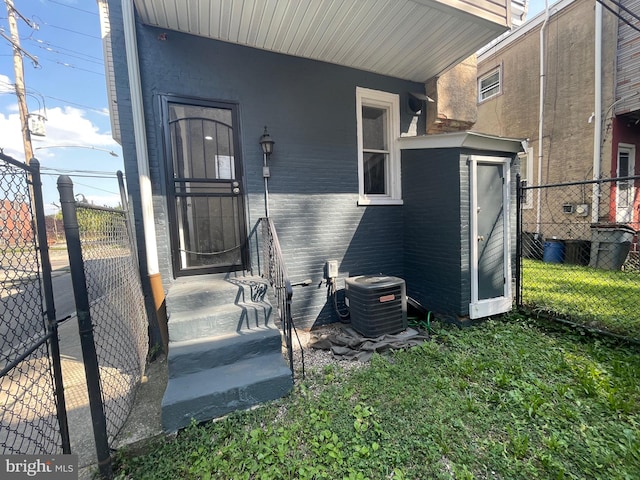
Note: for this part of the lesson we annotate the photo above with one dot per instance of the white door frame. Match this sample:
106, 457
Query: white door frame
492, 306
625, 214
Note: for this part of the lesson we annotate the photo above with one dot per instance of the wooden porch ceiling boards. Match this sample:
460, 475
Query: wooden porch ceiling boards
410, 39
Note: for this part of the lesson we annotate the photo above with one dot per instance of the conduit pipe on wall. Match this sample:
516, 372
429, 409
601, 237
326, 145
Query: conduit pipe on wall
541, 116
597, 133
140, 135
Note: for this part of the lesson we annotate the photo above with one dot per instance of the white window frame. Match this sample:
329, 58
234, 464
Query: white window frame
491, 72
391, 103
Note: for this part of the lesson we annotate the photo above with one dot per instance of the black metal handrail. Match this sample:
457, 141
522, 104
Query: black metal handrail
275, 272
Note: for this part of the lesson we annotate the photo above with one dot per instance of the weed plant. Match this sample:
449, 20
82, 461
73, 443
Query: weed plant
503, 400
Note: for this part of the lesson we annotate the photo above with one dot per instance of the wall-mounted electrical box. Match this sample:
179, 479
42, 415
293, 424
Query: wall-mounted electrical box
568, 208
582, 209
331, 269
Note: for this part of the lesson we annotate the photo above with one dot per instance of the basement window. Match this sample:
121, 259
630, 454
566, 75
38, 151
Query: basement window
490, 85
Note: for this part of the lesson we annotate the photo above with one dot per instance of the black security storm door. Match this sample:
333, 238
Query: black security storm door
206, 202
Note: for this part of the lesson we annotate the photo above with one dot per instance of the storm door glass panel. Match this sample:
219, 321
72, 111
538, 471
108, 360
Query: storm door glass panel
490, 221
375, 143
206, 188
209, 231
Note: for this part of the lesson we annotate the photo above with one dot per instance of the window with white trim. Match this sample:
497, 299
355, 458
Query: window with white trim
490, 85
378, 118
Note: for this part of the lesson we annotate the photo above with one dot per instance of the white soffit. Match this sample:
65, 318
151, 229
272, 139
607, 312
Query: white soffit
410, 39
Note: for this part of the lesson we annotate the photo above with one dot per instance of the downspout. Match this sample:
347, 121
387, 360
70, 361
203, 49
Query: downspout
597, 134
140, 135
541, 116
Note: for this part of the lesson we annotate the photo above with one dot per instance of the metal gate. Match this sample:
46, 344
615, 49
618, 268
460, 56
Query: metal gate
32, 407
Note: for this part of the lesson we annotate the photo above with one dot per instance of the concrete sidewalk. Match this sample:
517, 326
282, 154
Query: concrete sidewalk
144, 421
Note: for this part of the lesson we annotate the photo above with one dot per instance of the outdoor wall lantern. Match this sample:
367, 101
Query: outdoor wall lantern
266, 142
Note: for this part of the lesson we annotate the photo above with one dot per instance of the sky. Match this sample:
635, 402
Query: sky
67, 86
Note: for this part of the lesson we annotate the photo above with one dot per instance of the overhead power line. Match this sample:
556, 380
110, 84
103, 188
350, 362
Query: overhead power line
622, 7
72, 31
72, 7
46, 44
69, 65
617, 14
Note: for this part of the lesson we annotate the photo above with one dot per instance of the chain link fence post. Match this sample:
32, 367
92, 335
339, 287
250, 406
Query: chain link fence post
47, 287
89, 355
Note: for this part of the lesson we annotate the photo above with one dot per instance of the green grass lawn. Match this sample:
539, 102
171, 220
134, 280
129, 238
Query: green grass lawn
604, 299
507, 399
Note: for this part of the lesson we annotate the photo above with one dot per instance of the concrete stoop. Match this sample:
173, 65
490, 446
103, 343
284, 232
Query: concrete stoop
225, 353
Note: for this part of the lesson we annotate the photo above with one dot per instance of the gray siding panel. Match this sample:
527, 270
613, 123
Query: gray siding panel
628, 63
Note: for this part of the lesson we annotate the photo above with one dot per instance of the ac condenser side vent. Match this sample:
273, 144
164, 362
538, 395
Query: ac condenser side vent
377, 304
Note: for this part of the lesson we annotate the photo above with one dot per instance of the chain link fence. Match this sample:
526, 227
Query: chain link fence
117, 309
112, 320
580, 258
29, 422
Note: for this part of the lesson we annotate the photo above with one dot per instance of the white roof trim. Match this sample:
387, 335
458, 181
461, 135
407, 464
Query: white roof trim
470, 140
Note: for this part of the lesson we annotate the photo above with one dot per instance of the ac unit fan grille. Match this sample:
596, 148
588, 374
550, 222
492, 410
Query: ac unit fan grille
378, 305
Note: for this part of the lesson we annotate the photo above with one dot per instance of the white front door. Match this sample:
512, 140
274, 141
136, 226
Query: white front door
625, 191
490, 236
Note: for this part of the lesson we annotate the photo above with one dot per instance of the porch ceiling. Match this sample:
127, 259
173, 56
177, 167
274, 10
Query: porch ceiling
409, 39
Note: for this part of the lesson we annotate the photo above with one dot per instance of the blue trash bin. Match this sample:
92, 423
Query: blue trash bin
553, 251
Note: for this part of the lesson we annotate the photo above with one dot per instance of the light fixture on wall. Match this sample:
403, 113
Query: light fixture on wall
417, 100
266, 142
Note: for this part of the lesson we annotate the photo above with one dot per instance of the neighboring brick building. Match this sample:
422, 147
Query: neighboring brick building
509, 102
15, 223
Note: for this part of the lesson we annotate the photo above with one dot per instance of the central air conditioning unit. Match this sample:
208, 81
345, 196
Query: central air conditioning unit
377, 304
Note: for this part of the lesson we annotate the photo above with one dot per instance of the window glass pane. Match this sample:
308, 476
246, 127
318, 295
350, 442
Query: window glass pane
375, 173
208, 231
490, 85
202, 144
374, 128
623, 164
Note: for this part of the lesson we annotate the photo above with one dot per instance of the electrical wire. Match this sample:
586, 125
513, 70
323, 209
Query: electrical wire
72, 7
72, 31
45, 44
618, 15
622, 7
75, 67
333, 292
51, 50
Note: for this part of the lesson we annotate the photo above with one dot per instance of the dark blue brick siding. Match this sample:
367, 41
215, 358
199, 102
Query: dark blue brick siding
433, 249
309, 108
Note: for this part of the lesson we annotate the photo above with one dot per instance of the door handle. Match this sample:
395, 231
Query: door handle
481, 238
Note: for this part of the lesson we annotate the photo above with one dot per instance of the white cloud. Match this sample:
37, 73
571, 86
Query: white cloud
64, 126
5, 85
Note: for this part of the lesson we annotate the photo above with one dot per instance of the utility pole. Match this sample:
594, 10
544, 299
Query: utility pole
19, 82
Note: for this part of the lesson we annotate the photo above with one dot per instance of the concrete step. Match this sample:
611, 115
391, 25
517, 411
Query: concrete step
191, 356
207, 321
189, 293
212, 393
